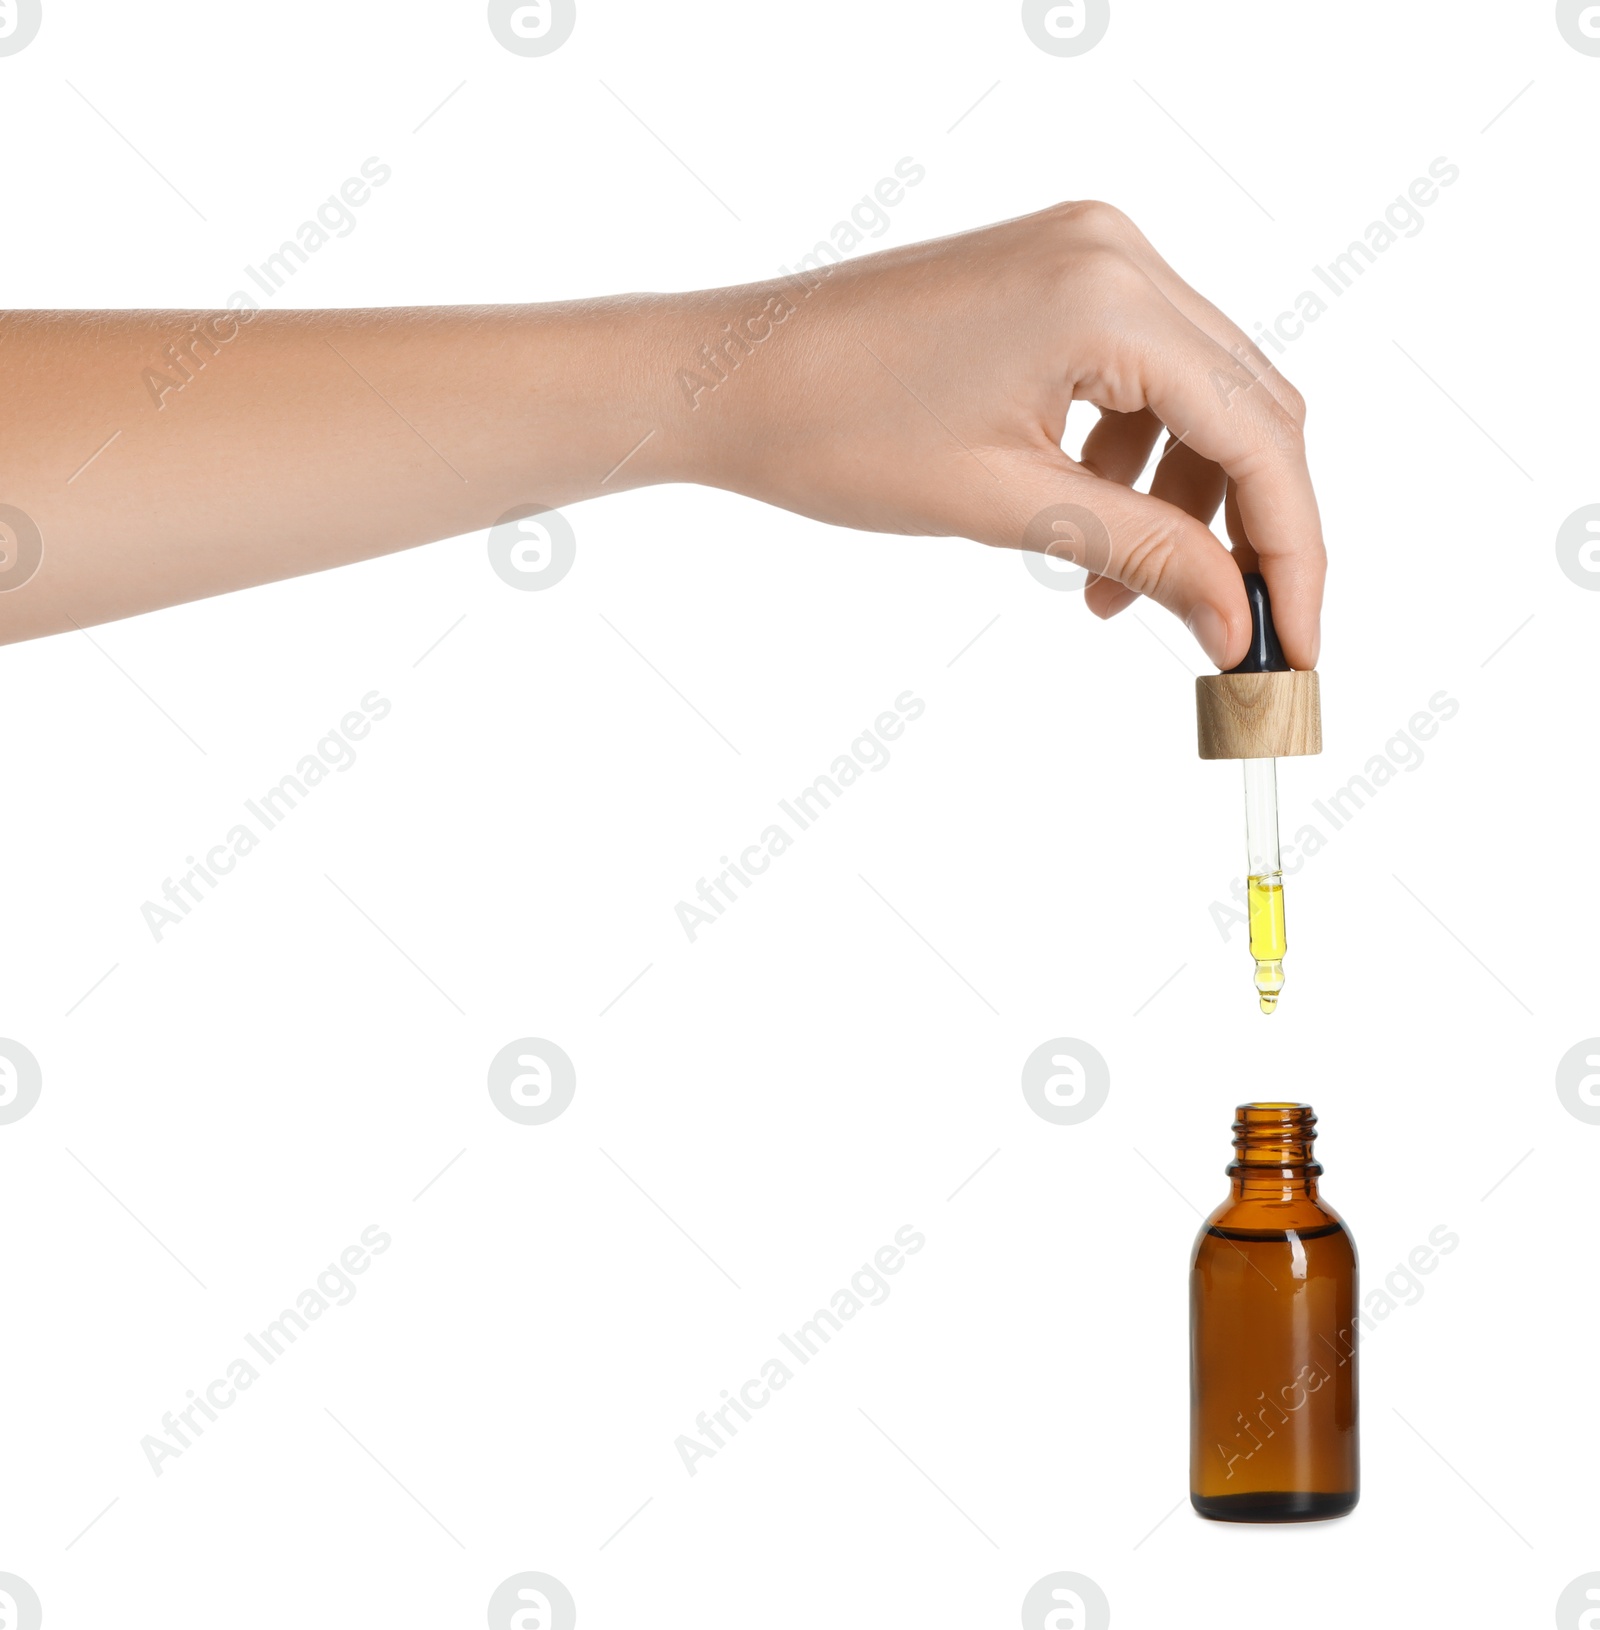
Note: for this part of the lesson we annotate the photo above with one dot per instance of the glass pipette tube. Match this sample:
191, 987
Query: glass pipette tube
1267, 940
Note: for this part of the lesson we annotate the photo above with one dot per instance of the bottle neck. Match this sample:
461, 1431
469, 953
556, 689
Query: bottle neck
1272, 1156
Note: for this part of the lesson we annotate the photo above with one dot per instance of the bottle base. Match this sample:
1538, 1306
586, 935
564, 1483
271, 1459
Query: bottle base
1273, 1507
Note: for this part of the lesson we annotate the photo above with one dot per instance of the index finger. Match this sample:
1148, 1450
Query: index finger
1212, 402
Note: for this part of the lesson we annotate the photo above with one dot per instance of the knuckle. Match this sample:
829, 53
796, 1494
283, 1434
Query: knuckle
1097, 219
1092, 259
1294, 404
1147, 560
1288, 433
1272, 430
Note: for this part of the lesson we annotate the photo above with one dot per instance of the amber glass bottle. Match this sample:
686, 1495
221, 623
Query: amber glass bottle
1272, 1333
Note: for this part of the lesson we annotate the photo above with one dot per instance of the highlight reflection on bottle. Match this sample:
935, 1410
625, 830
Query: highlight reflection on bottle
1272, 1321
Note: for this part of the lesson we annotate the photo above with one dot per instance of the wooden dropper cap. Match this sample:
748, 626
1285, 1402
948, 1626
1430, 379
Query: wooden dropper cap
1263, 708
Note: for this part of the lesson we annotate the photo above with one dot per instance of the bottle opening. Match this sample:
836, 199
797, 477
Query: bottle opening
1274, 1138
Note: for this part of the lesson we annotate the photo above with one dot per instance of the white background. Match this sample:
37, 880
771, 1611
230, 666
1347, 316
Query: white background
227, 1110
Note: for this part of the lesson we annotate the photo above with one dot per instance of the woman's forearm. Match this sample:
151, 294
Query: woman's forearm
163, 456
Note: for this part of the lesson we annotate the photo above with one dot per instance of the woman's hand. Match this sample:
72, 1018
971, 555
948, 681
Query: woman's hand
925, 390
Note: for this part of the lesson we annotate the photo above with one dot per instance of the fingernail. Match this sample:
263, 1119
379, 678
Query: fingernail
1211, 631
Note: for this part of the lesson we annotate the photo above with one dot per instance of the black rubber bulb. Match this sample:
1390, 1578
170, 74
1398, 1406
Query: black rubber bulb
1265, 655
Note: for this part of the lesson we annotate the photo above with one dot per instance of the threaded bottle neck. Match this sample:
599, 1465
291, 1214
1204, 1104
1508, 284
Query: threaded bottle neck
1272, 1147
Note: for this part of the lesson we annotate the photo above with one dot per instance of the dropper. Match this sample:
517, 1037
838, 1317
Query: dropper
1268, 941
1261, 711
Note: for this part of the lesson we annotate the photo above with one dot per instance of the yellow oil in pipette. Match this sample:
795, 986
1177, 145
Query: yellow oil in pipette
1268, 941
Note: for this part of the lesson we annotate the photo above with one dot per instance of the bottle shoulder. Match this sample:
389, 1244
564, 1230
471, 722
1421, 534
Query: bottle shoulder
1253, 1218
